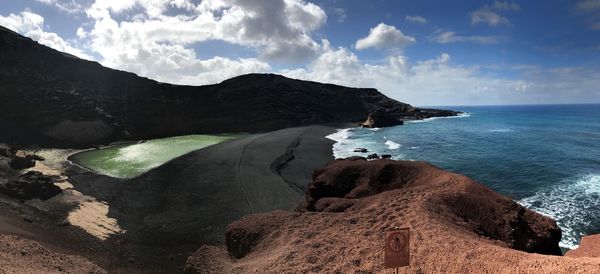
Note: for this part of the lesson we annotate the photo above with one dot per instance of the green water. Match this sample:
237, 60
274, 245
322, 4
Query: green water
131, 160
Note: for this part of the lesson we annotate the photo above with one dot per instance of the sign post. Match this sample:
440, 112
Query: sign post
397, 248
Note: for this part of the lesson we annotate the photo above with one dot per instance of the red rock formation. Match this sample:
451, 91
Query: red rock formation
589, 247
457, 226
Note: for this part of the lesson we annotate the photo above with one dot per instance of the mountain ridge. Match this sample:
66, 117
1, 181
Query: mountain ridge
53, 99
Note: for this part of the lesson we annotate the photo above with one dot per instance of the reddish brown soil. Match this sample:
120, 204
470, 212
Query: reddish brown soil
457, 226
589, 247
18, 255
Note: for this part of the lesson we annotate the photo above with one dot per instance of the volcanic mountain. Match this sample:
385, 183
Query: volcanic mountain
51, 98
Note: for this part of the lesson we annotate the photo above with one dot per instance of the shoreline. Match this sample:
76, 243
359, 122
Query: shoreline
183, 203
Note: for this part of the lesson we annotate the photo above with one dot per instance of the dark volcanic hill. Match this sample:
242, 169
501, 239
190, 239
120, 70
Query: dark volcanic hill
51, 98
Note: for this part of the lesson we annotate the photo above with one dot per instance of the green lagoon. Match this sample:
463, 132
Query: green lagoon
131, 160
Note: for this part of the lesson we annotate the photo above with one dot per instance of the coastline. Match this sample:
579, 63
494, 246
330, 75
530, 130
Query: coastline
176, 207
169, 212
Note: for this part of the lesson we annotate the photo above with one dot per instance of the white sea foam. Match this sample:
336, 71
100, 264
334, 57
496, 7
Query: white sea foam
500, 130
392, 145
462, 115
573, 204
341, 134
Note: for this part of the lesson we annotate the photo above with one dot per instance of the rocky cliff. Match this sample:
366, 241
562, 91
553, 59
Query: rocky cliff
456, 225
52, 98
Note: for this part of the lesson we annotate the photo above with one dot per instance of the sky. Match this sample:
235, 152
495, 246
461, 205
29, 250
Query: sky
425, 52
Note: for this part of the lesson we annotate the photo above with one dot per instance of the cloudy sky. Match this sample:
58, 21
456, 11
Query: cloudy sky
421, 52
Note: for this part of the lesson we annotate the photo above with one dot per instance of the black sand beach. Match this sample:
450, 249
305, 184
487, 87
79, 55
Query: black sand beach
167, 213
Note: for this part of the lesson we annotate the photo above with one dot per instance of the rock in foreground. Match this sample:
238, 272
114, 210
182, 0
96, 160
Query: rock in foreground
31, 185
457, 226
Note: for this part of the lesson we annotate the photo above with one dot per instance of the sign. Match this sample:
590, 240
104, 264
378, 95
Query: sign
397, 248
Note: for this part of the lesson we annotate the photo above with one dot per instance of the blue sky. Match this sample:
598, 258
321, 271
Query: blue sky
421, 52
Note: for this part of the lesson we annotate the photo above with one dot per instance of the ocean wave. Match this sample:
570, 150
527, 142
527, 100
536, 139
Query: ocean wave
462, 115
501, 130
574, 204
392, 145
341, 134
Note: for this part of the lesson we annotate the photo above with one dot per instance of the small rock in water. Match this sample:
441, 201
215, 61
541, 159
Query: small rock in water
373, 156
386, 156
361, 150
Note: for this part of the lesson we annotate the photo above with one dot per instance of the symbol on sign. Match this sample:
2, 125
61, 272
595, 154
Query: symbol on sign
397, 248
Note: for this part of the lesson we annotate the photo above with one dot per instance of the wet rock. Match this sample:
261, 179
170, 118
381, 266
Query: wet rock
361, 150
372, 156
31, 185
386, 156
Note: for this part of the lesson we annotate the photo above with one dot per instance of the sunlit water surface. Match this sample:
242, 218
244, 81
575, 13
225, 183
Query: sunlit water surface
545, 157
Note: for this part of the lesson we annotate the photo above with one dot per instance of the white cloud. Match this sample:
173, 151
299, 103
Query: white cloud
445, 37
32, 25
490, 14
81, 33
384, 36
589, 5
489, 17
416, 19
506, 6
69, 6
439, 82
428, 82
592, 8
279, 30
340, 13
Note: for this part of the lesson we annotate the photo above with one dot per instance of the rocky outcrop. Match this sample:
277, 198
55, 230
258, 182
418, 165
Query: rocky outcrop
457, 226
588, 247
381, 119
22, 161
73, 102
31, 185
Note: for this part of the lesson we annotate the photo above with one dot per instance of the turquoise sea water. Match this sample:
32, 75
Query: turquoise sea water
545, 157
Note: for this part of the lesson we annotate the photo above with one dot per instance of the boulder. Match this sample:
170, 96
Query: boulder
6, 151
386, 156
22, 162
589, 247
381, 119
31, 185
361, 150
372, 156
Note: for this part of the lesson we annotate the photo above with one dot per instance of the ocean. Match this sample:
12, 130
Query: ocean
546, 157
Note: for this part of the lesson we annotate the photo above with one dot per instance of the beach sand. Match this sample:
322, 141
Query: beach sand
153, 222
